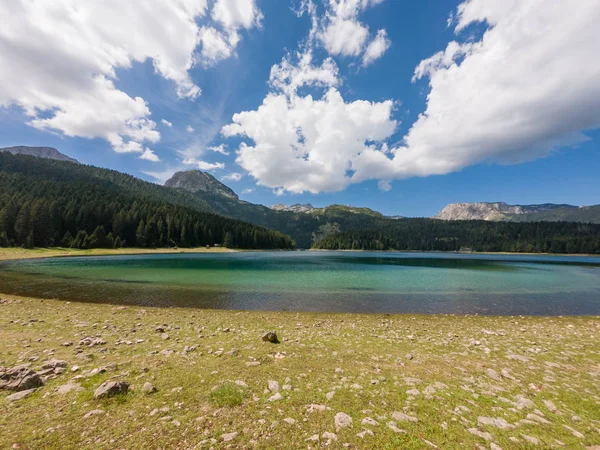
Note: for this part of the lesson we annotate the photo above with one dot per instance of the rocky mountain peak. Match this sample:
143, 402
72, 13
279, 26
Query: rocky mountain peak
492, 211
297, 208
195, 181
40, 152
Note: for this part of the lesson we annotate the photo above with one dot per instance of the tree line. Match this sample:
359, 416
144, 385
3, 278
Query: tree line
480, 236
46, 204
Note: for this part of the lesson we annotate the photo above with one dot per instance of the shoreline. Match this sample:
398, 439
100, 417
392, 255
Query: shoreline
16, 253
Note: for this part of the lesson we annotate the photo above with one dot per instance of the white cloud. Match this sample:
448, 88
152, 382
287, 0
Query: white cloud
248, 191
60, 60
189, 129
149, 155
376, 48
529, 85
203, 165
289, 76
302, 144
166, 123
219, 149
231, 16
342, 33
232, 177
384, 185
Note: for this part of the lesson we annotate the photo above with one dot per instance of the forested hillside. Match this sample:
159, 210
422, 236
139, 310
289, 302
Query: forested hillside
51, 203
481, 236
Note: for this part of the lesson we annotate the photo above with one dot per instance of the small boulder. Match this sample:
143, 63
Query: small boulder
19, 378
111, 388
19, 395
149, 388
342, 420
271, 336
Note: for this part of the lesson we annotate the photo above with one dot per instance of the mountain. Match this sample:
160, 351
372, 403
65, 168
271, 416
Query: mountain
40, 152
194, 181
500, 211
47, 202
297, 208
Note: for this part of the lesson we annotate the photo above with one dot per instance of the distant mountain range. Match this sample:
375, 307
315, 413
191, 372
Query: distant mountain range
40, 152
305, 223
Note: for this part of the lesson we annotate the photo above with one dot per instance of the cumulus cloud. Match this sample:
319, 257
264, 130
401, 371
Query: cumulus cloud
60, 60
376, 48
230, 16
149, 155
384, 185
291, 75
343, 34
166, 123
219, 149
189, 129
203, 165
302, 144
234, 176
528, 85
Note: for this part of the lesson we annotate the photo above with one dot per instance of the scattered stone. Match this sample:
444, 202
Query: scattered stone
66, 388
524, 403
365, 433
19, 378
270, 336
92, 341
369, 421
394, 427
315, 408
330, 436
482, 434
401, 417
342, 420
493, 375
276, 397
409, 356
496, 422
94, 412
539, 419
228, 437
273, 386
149, 388
574, 432
111, 388
20, 395
531, 439
289, 420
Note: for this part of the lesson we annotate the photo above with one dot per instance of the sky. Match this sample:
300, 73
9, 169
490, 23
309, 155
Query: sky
402, 107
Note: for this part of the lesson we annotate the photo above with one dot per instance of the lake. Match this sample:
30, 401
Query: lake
360, 282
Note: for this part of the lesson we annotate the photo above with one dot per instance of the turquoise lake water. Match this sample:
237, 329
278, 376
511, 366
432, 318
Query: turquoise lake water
320, 281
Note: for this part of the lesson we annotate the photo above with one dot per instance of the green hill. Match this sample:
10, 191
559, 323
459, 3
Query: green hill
46, 202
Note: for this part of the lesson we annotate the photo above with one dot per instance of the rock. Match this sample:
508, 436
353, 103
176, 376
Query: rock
524, 403
342, 420
531, 439
66, 388
228, 437
20, 395
493, 375
539, 419
496, 422
365, 433
369, 421
19, 378
314, 408
111, 388
394, 427
92, 341
313, 438
330, 436
94, 412
273, 386
289, 420
409, 356
149, 388
401, 417
54, 364
276, 397
481, 434
574, 432
271, 336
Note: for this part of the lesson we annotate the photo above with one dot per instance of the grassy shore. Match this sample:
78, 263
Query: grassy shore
23, 253
410, 382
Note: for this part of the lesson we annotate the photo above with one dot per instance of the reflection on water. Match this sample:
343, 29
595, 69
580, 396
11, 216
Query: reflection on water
308, 281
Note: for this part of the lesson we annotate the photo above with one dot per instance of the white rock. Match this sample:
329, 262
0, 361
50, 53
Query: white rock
342, 420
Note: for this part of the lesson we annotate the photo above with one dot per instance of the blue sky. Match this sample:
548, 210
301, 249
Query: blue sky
476, 150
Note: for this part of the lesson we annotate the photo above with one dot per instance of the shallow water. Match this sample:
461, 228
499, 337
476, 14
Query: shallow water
320, 281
